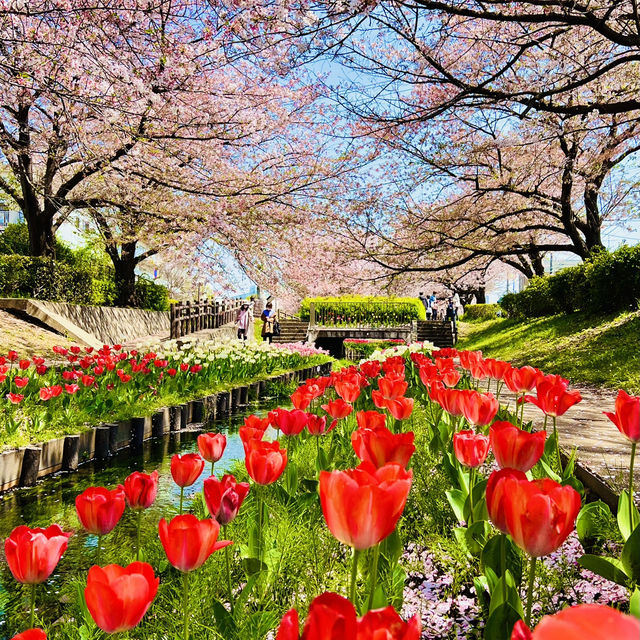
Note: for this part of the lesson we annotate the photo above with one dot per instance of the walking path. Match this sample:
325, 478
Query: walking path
601, 448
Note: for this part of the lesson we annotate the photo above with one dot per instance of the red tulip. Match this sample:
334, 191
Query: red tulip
627, 415
24, 364
265, 461
478, 369
471, 448
592, 621
301, 398
370, 419
467, 357
186, 468
46, 394
379, 446
479, 408
338, 408
401, 408
15, 398
118, 597
224, 497
386, 624
71, 389
21, 383
394, 365
255, 422
291, 423
188, 542
362, 506
31, 634
333, 617
249, 433
370, 368
12, 356
496, 368
99, 510
495, 495
514, 448
451, 400
212, 446
32, 554
392, 388
552, 396
330, 617
521, 379
348, 391
60, 350
540, 514
141, 489
317, 426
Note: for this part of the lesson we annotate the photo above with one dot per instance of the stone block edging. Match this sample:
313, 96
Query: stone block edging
24, 466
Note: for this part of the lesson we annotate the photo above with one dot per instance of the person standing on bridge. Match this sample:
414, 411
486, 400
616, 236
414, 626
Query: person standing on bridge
268, 318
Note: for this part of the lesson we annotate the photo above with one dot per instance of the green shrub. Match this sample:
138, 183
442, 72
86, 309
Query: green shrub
44, 279
604, 283
481, 312
364, 348
14, 240
152, 296
375, 310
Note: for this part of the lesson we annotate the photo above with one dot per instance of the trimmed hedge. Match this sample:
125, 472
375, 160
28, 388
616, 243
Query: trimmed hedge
479, 312
47, 279
604, 283
376, 309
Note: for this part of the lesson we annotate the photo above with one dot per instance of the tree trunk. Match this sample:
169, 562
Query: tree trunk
42, 240
125, 275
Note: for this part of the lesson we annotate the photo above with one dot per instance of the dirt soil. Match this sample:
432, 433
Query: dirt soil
27, 338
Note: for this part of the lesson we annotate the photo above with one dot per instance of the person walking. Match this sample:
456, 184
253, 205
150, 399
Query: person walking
243, 321
433, 301
451, 313
424, 300
268, 318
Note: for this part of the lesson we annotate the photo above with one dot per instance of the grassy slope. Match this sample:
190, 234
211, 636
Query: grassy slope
603, 351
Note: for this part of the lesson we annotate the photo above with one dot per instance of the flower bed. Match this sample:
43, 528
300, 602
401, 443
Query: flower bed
86, 387
356, 348
394, 486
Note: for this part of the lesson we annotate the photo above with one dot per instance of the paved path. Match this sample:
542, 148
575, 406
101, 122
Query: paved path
601, 447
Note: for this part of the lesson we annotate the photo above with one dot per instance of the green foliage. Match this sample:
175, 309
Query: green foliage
152, 296
364, 348
375, 309
474, 312
604, 283
15, 240
81, 276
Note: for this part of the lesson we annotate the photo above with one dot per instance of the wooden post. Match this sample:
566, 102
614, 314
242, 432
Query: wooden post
312, 314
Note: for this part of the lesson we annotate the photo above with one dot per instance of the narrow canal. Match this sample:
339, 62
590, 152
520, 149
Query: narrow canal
53, 501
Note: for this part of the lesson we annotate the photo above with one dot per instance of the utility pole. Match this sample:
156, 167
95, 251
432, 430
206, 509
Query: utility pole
550, 263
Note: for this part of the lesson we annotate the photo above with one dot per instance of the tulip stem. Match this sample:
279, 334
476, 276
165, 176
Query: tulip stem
503, 565
33, 605
555, 435
99, 550
373, 576
354, 573
532, 577
260, 511
226, 558
633, 456
181, 498
470, 496
138, 535
185, 603
213, 464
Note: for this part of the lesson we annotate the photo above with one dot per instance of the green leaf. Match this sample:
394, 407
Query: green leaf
224, 621
482, 587
500, 623
609, 568
630, 556
549, 471
476, 536
628, 517
568, 470
634, 603
457, 499
491, 557
253, 566
513, 595
589, 521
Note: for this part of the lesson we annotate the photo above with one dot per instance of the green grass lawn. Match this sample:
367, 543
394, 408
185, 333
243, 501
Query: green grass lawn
602, 351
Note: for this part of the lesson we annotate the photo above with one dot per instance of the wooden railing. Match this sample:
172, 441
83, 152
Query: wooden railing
359, 314
189, 317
